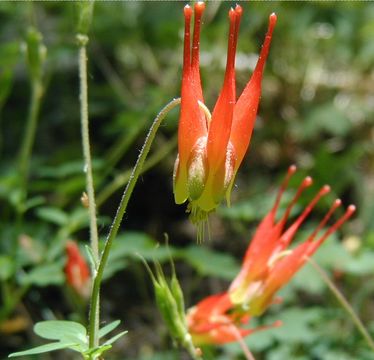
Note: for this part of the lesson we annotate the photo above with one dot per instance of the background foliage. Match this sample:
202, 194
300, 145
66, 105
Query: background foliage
316, 111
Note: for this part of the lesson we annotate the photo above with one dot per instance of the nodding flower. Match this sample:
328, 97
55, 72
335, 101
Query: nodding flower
268, 263
76, 270
212, 147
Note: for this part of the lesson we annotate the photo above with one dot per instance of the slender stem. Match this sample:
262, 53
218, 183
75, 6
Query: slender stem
94, 238
195, 353
247, 353
344, 303
29, 138
83, 39
119, 215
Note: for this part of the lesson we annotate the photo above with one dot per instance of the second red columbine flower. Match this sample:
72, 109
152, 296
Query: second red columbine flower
268, 265
211, 148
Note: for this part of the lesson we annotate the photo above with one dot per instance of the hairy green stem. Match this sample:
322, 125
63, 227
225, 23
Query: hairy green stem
119, 215
344, 303
83, 39
29, 138
94, 238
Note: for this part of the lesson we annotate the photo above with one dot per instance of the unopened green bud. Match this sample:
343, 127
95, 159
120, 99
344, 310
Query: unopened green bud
178, 296
85, 12
169, 300
168, 307
36, 53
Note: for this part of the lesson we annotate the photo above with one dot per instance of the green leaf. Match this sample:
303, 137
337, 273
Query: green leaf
115, 338
97, 352
108, 328
42, 349
361, 265
297, 325
220, 265
7, 267
44, 275
34, 201
60, 330
53, 215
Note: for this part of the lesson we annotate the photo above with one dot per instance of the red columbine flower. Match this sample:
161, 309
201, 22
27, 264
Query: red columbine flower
212, 148
76, 270
268, 264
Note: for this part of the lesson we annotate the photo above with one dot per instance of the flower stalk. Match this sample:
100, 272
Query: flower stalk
36, 55
93, 314
94, 238
343, 302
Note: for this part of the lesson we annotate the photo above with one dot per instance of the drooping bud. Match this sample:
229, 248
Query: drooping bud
76, 270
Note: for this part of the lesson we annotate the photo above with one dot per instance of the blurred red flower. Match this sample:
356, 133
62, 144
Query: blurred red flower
76, 270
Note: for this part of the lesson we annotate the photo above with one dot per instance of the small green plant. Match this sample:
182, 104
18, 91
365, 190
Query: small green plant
71, 335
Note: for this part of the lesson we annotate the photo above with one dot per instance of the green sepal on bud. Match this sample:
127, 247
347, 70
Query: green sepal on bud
85, 12
170, 302
36, 54
177, 293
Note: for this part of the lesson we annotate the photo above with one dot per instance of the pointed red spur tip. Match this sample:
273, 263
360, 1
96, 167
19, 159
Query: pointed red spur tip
272, 20
337, 202
199, 8
351, 209
238, 10
187, 11
325, 189
232, 15
307, 182
292, 169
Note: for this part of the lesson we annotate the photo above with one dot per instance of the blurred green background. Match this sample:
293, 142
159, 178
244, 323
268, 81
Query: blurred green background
317, 111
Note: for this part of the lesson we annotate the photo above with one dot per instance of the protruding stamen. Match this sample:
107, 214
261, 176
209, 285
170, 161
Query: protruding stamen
306, 183
199, 9
348, 213
291, 170
187, 39
333, 207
